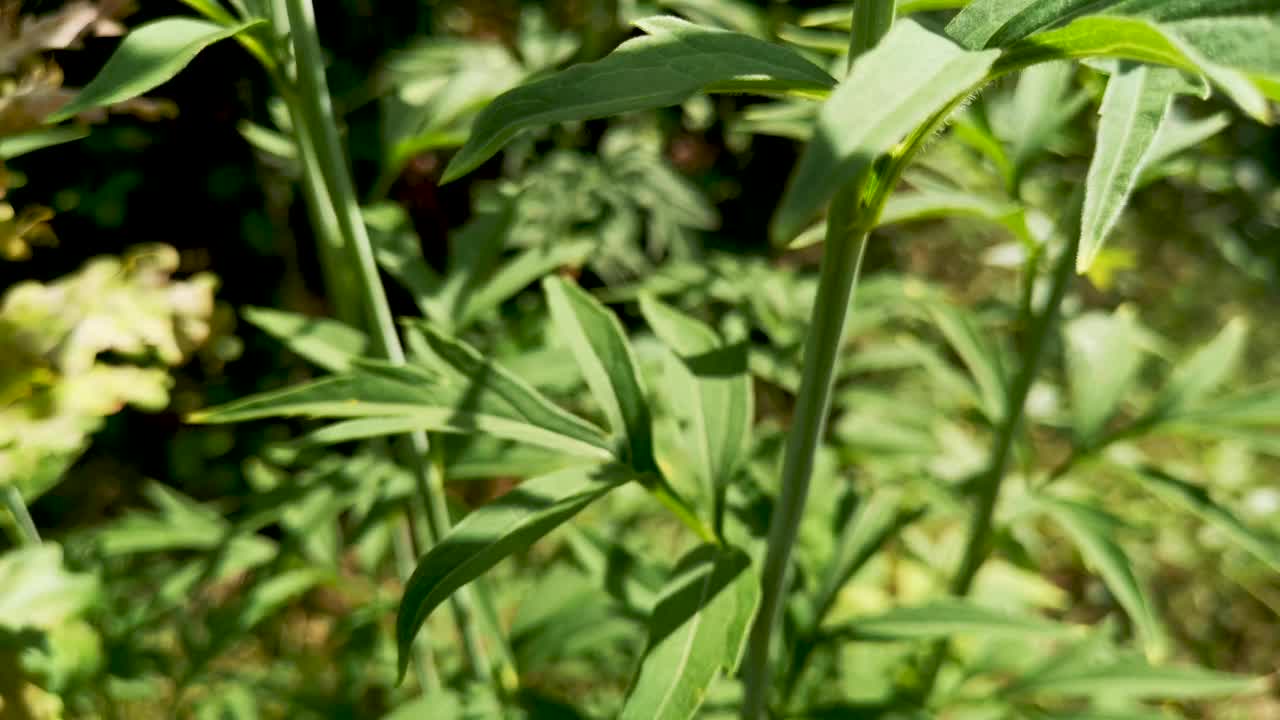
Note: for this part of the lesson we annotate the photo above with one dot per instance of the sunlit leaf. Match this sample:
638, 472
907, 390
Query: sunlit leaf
1104, 357
947, 618
507, 525
698, 629
1204, 371
148, 56
1135, 679
329, 344
1133, 110
908, 78
673, 62
604, 355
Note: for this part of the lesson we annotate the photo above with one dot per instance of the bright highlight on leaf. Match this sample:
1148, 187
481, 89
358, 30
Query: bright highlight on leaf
148, 56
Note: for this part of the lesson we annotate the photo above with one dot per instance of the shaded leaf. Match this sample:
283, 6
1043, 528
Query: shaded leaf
910, 77
673, 62
1103, 360
698, 629
1204, 371
492, 532
1135, 679
149, 55
979, 354
11, 146
1093, 533
949, 617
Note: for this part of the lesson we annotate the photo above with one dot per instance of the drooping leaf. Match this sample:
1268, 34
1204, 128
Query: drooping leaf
507, 525
947, 618
329, 344
1093, 533
601, 349
1133, 109
673, 62
910, 77
698, 629
148, 56
720, 397
1196, 500
410, 398
1132, 678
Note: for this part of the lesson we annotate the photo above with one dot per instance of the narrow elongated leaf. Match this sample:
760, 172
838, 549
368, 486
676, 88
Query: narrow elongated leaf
997, 23
520, 272
492, 532
12, 146
149, 55
1093, 532
1133, 109
980, 355
405, 398
601, 349
329, 344
946, 618
1196, 500
1140, 40
1205, 371
673, 62
721, 400
911, 76
698, 629
1134, 679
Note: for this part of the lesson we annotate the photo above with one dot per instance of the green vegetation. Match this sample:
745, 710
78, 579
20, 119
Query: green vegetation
585, 413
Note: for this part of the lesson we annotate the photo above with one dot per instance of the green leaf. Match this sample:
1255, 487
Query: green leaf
946, 618
1204, 371
507, 525
719, 391
1134, 107
601, 349
910, 77
37, 592
979, 354
1134, 679
521, 271
673, 62
1195, 499
1142, 41
408, 398
1104, 357
329, 344
398, 251
11, 146
1093, 533
698, 629
149, 55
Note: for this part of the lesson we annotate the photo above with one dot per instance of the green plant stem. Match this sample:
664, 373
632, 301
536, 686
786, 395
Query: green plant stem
315, 108
987, 489
846, 242
26, 533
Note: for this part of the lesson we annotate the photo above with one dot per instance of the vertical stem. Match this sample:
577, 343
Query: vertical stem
845, 245
316, 110
26, 528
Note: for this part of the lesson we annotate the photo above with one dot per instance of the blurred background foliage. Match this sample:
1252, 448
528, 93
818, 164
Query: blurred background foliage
131, 254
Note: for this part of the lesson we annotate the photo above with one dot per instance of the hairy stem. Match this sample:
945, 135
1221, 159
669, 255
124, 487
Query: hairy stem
26, 532
846, 242
315, 109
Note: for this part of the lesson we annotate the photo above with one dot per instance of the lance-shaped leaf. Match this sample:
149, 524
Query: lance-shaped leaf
329, 344
1131, 678
492, 532
600, 347
1195, 499
1133, 109
1104, 357
997, 23
1140, 40
980, 354
1204, 371
947, 618
717, 390
1093, 532
911, 76
673, 62
148, 56
698, 629
490, 401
